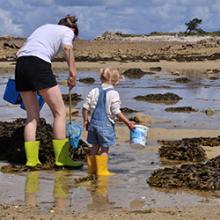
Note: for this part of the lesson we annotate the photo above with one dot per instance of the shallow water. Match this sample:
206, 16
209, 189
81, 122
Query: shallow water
128, 189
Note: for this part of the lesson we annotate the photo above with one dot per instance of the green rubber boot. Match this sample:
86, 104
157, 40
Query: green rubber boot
61, 184
62, 154
32, 152
32, 184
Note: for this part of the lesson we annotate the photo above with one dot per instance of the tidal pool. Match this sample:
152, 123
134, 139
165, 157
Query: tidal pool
54, 190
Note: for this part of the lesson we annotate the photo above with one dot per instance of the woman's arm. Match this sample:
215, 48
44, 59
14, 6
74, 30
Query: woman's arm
69, 55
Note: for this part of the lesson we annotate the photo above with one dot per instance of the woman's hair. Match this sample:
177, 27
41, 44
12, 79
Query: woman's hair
109, 75
70, 21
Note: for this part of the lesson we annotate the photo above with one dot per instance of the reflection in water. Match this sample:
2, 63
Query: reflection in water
32, 187
60, 190
99, 194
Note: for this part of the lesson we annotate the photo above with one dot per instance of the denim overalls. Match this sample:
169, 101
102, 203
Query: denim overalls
101, 130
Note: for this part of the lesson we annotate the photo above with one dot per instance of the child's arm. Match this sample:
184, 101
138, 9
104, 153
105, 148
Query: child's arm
130, 124
85, 114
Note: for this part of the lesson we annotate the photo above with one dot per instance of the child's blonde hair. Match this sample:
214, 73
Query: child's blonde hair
111, 76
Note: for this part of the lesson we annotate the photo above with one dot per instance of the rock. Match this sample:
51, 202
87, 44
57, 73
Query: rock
156, 68
182, 80
200, 176
11, 135
167, 98
183, 151
181, 109
141, 118
134, 73
209, 112
88, 80
127, 110
75, 98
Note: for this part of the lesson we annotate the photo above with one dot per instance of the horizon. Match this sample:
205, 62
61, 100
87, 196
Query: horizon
19, 18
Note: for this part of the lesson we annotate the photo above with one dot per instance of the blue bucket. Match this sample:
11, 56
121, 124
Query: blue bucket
12, 96
138, 135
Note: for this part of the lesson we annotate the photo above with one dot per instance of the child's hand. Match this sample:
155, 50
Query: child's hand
131, 125
86, 125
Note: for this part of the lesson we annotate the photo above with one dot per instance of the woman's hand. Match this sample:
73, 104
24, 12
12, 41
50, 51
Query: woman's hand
71, 81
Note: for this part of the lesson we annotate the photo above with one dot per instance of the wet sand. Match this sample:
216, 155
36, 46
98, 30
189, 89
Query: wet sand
204, 211
114, 200
170, 66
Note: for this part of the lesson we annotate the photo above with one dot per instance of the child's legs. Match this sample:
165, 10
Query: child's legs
94, 150
29, 99
104, 151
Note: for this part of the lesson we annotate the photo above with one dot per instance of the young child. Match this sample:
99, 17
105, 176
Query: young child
104, 105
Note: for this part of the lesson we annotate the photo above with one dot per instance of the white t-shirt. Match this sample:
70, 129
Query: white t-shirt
113, 101
46, 41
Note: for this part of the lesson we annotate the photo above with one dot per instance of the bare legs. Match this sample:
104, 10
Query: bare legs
52, 96
32, 108
96, 150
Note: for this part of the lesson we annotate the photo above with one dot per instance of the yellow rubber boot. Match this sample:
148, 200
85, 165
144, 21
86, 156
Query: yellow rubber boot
32, 152
91, 162
102, 186
62, 154
102, 165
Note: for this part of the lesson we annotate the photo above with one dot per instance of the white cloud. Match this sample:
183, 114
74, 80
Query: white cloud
8, 27
96, 16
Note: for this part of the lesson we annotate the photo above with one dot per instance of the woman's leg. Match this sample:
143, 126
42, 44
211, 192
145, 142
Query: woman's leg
53, 97
29, 99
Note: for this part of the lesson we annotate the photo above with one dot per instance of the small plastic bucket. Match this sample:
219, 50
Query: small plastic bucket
138, 136
10, 94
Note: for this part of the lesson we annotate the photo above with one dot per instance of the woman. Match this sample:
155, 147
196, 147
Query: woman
33, 74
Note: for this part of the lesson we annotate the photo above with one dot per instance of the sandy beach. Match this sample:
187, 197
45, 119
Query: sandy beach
169, 66
104, 55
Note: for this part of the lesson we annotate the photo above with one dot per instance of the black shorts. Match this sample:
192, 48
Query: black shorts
33, 74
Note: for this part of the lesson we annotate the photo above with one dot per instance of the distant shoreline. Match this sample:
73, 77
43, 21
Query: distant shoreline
169, 66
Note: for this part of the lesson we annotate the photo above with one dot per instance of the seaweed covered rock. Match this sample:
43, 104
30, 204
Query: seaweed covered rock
12, 145
135, 73
182, 80
180, 109
166, 98
187, 152
200, 176
75, 98
88, 80
127, 110
204, 141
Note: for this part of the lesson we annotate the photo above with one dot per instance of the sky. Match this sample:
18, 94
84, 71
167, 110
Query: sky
20, 17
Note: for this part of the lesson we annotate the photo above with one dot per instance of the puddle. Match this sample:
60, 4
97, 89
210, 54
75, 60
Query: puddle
128, 189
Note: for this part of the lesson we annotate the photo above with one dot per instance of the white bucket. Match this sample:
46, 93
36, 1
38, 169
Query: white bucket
138, 136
